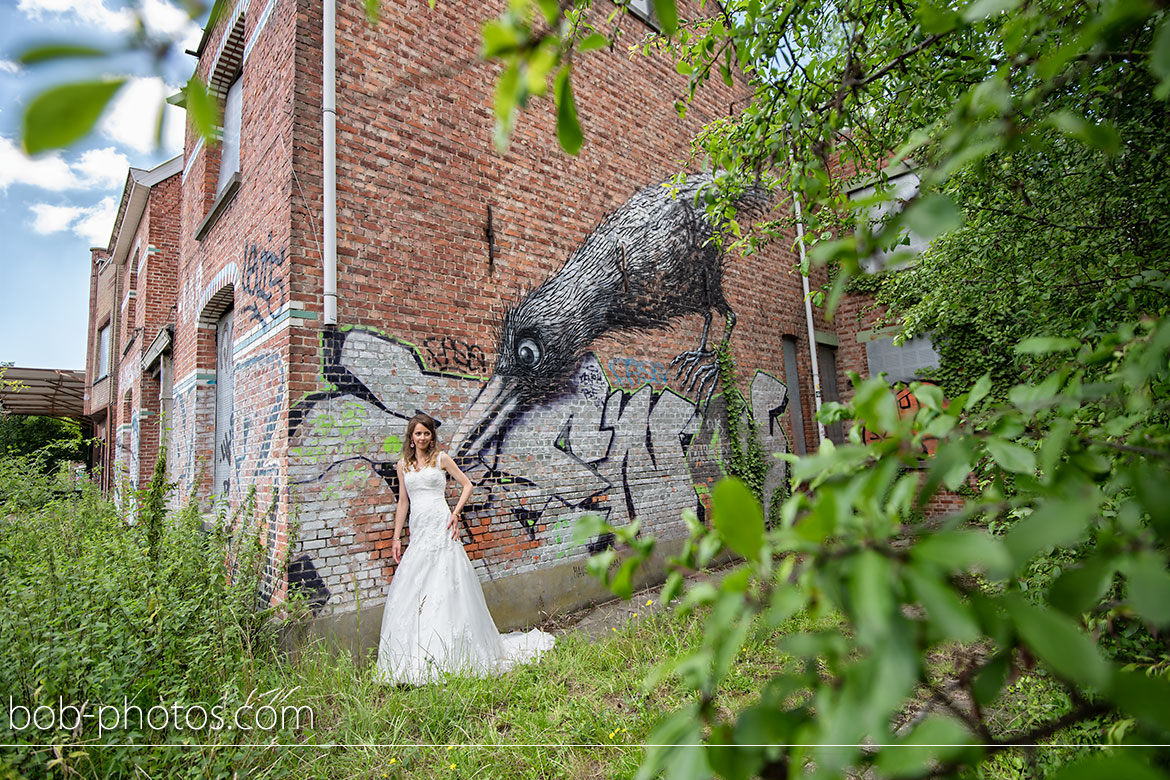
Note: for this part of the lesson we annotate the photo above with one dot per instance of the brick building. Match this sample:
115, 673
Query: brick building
131, 300
536, 304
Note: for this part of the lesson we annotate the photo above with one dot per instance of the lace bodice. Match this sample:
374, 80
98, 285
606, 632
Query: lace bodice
427, 482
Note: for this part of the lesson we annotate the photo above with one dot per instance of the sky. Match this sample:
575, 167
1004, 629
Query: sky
55, 206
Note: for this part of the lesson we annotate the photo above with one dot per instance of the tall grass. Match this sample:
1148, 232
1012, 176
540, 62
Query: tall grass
103, 610
100, 610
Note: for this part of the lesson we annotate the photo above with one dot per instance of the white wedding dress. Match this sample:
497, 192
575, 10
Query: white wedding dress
435, 620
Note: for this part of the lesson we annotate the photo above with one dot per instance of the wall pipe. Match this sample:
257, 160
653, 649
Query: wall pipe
808, 316
329, 155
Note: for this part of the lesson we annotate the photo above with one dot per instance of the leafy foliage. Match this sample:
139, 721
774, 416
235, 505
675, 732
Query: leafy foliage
1037, 131
100, 611
53, 440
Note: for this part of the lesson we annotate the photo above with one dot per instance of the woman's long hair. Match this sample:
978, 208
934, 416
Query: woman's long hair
410, 458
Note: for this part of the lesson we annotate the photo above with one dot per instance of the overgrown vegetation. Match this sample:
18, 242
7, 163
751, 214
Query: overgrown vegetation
1037, 131
53, 441
99, 611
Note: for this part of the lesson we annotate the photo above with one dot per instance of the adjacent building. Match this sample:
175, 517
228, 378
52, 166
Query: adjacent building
556, 314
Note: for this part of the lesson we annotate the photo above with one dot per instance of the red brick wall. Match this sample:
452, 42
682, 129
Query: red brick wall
420, 303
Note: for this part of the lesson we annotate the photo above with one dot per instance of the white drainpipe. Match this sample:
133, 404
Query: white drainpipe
329, 154
808, 315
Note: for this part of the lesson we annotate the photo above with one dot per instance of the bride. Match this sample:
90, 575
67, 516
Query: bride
435, 620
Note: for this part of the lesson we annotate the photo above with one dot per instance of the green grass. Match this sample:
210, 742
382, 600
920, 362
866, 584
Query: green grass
582, 711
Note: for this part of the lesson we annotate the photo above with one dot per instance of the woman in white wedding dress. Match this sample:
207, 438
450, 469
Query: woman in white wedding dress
435, 620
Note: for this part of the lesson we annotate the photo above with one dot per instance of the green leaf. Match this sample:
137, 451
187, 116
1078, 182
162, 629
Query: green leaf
953, 551
671, 589
373, 8
933, 215
1152, 490
725, 74
1043, 345
202, 108
1149, 588
874, 405
930, 396
1112, 765
568, 128
588, 527
950, 466
983, 9
675, 748
1101, 136
978, 392
1160, 59
1078, 589
58, 51
1051, 524
990, 679
732, 761
1011, 457
507, 89
1143, 696
738, 518
62, 115
551, 10
942, 604
500, 38
786, 602
872, 597
667, 15
593, 41
1056, 640
623, 579
938, 738
934, 20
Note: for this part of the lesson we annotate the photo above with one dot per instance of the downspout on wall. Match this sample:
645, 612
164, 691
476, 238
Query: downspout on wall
808, 316
329, 157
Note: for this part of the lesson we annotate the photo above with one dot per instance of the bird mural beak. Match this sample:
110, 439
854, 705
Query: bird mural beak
488, 416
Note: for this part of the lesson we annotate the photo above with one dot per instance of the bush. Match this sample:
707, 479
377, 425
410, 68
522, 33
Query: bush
101, 610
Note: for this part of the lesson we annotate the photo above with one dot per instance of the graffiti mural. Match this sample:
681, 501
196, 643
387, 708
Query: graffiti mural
262, 281
451, 354
551, 435
650, 262
907, 407
631, 372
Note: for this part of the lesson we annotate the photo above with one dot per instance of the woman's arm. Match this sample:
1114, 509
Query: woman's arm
448, 463
400, 514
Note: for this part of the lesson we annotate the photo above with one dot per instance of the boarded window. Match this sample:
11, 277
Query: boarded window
792, 376
224, 385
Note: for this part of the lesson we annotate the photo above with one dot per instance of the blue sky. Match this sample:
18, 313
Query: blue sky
54, 207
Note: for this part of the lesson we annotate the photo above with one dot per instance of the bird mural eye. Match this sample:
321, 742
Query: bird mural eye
528, 351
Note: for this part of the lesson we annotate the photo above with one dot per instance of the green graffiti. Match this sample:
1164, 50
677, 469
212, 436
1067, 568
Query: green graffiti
392, 444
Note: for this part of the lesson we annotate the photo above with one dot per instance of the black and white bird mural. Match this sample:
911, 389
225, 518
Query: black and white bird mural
651, 261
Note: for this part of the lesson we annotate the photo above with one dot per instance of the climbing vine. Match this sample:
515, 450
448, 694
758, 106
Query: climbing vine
747, 459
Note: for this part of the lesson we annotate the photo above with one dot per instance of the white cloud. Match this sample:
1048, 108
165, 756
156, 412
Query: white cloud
132, 118
8, 66
87, 12
160, 17
49, 172
98, 222
93, 223
103, 168
96, 169
53, 219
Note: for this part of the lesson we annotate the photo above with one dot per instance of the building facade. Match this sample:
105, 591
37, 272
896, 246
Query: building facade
132, 297
556, 314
